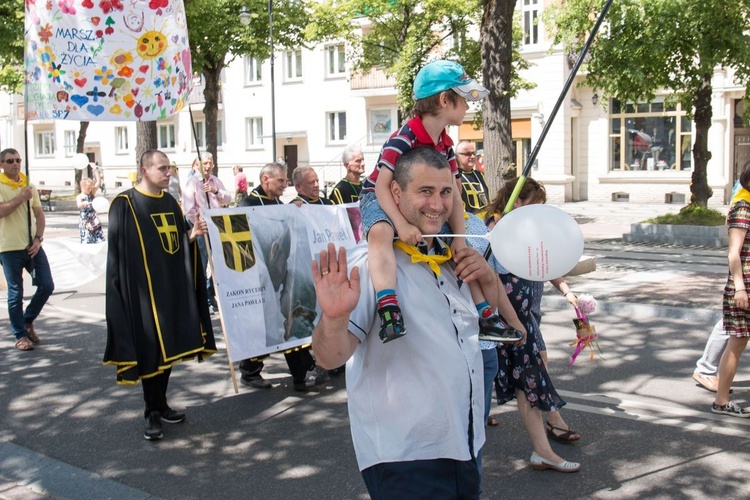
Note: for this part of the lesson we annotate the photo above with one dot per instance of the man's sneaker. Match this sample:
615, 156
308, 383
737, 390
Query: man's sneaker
391, 323
313, 377
153, 427
171, 416
731, 409
256, 381
494, 329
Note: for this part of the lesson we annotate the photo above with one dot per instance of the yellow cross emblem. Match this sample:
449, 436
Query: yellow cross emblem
166, 226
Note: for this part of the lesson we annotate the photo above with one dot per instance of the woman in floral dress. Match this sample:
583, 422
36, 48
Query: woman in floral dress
522, 374
89, 224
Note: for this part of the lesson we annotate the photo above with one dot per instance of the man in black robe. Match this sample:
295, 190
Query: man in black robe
305, 374
156, 306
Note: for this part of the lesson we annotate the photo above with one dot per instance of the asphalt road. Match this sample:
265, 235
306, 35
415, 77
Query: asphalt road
66, 430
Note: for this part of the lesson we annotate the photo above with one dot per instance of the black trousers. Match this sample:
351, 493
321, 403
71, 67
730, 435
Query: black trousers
155, 392
299, 362
423, 479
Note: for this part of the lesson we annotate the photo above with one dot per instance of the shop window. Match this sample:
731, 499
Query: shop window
649, 137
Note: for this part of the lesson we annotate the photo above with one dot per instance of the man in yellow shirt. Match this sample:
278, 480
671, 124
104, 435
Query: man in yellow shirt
17, 252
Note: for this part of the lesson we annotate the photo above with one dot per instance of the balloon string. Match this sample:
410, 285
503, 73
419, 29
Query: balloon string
482, 236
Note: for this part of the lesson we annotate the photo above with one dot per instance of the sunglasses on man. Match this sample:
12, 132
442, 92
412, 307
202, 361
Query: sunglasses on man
10, 161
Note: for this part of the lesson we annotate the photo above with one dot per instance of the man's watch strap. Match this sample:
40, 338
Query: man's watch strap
40, 238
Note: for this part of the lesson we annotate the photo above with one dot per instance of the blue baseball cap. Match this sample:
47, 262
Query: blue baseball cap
439, 76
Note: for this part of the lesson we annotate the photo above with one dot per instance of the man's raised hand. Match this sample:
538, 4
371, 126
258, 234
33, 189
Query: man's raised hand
338, 293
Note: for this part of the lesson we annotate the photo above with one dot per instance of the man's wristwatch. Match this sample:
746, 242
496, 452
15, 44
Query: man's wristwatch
40, 238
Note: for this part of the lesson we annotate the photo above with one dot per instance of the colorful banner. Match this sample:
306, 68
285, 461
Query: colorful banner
262, 260
106, 59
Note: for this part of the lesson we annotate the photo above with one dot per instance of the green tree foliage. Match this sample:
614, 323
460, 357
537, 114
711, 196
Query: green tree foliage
649, 45
404, 34
11, 44
221, 30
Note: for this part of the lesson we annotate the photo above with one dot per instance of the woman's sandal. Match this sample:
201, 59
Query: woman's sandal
566, 436
24, 344
492, 422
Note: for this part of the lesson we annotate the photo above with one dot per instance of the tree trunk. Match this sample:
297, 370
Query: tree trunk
496, 43
699, 189
145, 139
212, 76
79, 149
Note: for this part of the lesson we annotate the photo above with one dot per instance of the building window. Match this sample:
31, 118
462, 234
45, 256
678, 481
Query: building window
336, 60
70, 142
253, 71
530, 10
336, 126
121, 140
44, 143
649, 136
166, 136
293, 65
253, 133
200, 131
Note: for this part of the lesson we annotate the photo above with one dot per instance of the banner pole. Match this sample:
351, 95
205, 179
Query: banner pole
210, 259
573, 72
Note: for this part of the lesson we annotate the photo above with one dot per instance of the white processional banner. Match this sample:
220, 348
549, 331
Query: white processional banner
262, 258
96, 60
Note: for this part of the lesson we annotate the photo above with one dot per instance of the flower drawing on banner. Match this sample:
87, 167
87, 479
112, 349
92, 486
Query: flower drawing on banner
120, 60
45, 33
48, 5
47, 56
109, 5
67, 7
55, 72
103, 75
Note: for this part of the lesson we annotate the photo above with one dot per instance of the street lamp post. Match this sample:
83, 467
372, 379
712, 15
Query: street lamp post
273, 86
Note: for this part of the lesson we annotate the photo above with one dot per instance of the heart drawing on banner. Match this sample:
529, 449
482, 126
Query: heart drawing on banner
79, 99
80, 82
116, 109
140, 80
143, 68
95, 109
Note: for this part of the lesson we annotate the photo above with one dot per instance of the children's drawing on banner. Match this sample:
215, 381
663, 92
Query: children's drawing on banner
262, 258
106, 60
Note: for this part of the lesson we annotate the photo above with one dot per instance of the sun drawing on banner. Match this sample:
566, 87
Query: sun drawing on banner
115, 59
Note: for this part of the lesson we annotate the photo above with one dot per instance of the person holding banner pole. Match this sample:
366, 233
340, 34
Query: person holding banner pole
19, 251
305, 373
156, 307
201, 192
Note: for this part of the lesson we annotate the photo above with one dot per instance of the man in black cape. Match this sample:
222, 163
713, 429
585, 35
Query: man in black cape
157, 311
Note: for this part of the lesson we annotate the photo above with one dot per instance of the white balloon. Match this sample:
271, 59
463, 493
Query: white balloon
537, 242
100, 204
80, 161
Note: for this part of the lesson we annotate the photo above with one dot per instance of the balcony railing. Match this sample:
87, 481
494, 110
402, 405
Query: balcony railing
196, 96
373, 79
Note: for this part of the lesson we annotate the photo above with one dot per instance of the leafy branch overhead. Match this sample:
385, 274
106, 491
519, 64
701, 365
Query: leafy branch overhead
650, 45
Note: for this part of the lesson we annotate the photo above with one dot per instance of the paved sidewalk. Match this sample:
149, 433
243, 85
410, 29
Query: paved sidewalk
647, 290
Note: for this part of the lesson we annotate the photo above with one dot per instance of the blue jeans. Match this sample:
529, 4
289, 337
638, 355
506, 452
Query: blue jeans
13, 263
489, 360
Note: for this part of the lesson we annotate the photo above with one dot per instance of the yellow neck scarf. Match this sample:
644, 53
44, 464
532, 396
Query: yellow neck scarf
741, 194
433, 261
21, 182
